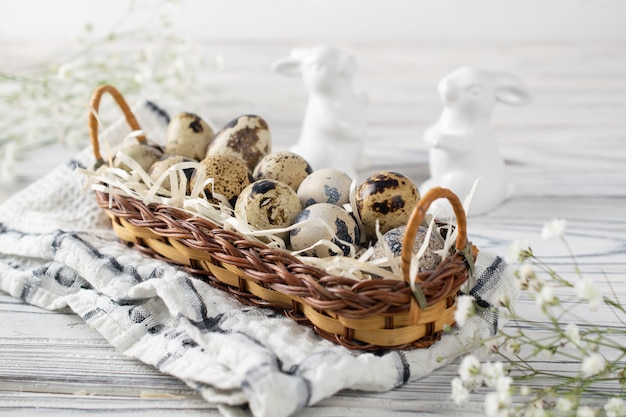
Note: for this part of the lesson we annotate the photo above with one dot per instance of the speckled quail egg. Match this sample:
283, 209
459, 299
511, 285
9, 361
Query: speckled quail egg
393, 240
168, 161
284, 166
325, 185
247, 137
188, 135
345, 230
386, 197
143, 153
268, 204
230, 174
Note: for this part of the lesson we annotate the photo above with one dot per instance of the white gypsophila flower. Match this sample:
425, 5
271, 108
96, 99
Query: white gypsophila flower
565, 404
589, 291
518, 251
513, 346
593, 364
464, 309
572, 333
503, 388
525, 391
520, 285
495, 406
460, 394
527, 272
492, 345
525, 275
585, 411
492, 404
65, 71
615, 407
492, 372
546, 297
469, 368
553, 228
537, 284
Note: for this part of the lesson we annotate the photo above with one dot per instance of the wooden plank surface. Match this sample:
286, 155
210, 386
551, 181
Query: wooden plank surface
566, 152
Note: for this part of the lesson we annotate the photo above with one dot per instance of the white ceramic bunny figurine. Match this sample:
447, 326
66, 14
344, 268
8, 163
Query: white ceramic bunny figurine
462, 145
333, 128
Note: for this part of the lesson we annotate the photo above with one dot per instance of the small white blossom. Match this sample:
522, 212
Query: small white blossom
492, 372
525, 391
492, 345
527, 272
573, 333
464, 309
593, 364
553, 228
615, 407
518, 251
503, 388
494, 406
469, 368
537, 284
524, 276
585, 411
546, 297
587, 290
65, 72
565, 404
144, 75
513, 346
460, 394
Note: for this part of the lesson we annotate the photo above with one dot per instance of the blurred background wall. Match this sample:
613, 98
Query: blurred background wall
493, 20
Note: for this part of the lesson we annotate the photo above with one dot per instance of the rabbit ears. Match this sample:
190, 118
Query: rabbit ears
510, 90
500, 86
292, 66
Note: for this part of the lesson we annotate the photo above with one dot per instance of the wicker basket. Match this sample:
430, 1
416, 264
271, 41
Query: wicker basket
367, 315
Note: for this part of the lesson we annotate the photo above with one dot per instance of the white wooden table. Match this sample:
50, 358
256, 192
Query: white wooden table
566, 152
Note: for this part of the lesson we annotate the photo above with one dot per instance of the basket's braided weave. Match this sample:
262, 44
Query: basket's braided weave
282, 272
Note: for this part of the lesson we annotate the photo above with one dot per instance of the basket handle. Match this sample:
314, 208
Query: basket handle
462, 246
94, 106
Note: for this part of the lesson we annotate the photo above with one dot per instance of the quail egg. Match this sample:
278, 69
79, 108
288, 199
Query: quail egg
284, 166
188, 135
268, 204
230, 174
386, 197
247, 137
162, 165
325, 185
142, 153
345, 231
393, 240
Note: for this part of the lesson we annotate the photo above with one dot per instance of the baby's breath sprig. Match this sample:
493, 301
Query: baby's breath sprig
583, 363
141, 55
